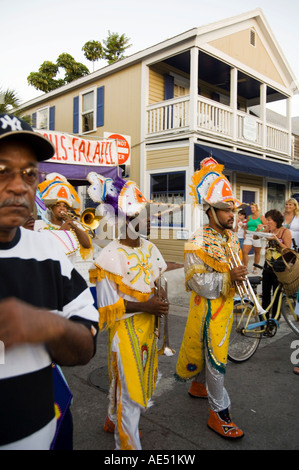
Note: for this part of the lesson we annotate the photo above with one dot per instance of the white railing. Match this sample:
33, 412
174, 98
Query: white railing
215, 119
277, 138
168, 116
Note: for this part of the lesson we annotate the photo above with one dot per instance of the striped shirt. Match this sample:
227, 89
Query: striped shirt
36, 271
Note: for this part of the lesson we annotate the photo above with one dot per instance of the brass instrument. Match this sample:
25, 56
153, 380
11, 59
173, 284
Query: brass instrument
90, 220
244, 288
166, 350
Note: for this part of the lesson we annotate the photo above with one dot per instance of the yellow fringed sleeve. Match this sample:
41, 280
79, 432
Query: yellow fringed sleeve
98, 274
109, 314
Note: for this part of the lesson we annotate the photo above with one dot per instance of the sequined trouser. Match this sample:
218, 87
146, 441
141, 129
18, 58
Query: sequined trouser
203, 353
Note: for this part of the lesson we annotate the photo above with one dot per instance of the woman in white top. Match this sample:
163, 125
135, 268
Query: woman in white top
291, 220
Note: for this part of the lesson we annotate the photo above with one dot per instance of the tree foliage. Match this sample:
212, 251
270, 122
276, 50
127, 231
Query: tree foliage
45, 79
115, 46
93, 50
9, 103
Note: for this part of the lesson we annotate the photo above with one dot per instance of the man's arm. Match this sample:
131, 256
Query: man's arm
153, 305
69, 343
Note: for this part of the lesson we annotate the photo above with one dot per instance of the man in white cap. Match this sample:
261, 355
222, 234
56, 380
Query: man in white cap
211, 280
46, 308
125, 274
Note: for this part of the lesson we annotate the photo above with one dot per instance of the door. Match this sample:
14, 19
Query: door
248, 196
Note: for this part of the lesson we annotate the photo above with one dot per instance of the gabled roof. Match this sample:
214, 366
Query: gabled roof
187, 37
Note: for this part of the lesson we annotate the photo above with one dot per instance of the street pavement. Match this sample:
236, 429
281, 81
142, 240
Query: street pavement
263, 391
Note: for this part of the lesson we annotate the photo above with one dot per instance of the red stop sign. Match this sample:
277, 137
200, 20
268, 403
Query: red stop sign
123, 147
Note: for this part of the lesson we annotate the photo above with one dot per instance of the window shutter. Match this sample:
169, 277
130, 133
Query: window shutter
52, 119
168, 87
100, 106
34, 120
76, 115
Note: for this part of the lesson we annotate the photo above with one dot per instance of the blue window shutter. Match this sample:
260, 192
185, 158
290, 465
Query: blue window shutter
100, 106
76, 115
168, 87
33, 120
52, 119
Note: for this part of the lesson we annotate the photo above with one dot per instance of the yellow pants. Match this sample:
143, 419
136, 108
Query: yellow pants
207, 331
133, 369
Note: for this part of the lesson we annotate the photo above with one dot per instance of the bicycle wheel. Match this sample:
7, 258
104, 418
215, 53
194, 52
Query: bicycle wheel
288, 310
243, 344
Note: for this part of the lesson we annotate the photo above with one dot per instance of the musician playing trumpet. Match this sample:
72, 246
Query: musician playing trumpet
61, 217
211, 279
60, 198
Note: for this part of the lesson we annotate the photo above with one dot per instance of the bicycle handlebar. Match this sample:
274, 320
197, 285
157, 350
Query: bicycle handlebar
258, 266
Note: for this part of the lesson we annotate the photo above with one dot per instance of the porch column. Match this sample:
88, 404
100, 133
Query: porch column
289, 126
193, 88
263, 101
234, 101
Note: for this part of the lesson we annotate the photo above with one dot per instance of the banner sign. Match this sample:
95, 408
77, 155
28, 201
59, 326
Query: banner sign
75, 150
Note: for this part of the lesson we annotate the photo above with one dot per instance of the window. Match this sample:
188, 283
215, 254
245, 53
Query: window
169, 188
88, 112
42, 118
276, 196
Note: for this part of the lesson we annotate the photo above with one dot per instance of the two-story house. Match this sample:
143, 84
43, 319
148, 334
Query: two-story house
180, 101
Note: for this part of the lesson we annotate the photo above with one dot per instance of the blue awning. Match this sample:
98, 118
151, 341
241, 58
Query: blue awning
246, 164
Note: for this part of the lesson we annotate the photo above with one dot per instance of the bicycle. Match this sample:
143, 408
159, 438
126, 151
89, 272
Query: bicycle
250, 326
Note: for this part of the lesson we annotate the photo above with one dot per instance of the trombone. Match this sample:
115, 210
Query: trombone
244, 288
88, 220
162, 293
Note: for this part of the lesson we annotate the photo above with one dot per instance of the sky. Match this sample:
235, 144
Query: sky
33, 31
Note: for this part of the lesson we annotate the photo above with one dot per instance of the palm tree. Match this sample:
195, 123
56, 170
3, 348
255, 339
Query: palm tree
8, 101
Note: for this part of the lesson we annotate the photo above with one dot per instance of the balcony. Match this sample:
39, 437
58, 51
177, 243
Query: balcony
217, 121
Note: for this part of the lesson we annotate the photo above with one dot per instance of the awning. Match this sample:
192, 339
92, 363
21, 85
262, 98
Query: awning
76, 172
246, 164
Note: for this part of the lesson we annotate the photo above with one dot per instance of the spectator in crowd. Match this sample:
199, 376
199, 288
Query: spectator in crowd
255, 222
291, 220
46, 308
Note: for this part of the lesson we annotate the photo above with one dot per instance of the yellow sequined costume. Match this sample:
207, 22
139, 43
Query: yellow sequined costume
207, 331
123, 273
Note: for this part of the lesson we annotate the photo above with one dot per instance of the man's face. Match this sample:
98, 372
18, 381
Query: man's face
60, 210
226, 217
17, 186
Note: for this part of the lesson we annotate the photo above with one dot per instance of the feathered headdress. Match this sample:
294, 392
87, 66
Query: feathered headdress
56, 188
211, 188
116, 197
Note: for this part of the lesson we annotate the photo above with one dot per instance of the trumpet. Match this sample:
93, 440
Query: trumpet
165, 350
244, 288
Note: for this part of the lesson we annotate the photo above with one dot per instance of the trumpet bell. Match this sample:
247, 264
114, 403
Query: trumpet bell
166, 351
89, 219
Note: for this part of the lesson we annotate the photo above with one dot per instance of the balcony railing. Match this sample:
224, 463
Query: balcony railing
217, 120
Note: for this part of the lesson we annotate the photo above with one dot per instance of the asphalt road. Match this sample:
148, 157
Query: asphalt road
263, 392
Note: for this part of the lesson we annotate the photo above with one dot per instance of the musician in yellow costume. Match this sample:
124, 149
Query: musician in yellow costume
209, 277
125, 274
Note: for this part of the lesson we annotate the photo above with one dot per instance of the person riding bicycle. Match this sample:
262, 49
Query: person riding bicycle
210, 278
281, 238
